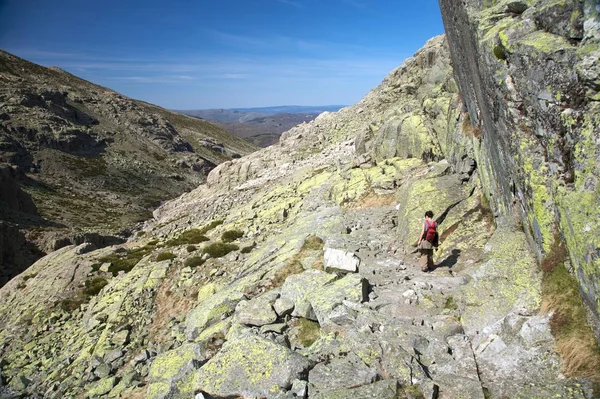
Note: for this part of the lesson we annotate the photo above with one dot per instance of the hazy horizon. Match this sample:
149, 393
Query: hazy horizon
201, 55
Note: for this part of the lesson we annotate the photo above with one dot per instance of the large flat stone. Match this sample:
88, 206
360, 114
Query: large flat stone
299, 288
171, 367
387, 389
326, 298
250, 366
337, 260
256, 312
340, 373
211, 310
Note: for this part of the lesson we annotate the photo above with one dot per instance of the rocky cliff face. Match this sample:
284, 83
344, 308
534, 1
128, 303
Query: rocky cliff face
84, 158
529, 76
291, 274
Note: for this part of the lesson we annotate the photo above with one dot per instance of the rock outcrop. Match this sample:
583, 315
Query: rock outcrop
292, 272
529, 77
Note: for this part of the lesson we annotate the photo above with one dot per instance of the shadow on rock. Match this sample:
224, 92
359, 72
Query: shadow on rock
451, 260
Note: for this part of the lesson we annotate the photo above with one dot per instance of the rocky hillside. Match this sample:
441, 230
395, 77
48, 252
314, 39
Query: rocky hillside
84, 158
292, 272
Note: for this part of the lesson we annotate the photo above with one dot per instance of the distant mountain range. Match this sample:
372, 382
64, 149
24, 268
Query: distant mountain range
261, 126
247, 114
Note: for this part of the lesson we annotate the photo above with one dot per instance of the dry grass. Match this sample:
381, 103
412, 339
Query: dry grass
575, 341
168, 304
556, 257
372, 200
577, 359
139, 393
293, 265
468, 128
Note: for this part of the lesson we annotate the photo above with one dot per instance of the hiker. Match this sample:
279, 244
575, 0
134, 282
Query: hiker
428, 240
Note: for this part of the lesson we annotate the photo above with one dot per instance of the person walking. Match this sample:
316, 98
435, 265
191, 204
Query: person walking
428, 240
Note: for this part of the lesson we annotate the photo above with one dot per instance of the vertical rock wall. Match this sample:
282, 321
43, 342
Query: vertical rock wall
529, 75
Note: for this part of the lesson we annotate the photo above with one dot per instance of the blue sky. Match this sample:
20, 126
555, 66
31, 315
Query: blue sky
193, 54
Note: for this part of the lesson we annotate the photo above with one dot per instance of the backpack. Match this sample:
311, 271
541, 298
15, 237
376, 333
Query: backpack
431, 234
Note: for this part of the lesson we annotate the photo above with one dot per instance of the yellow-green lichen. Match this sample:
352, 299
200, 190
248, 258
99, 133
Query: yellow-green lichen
249, 366
545, 42
508, 278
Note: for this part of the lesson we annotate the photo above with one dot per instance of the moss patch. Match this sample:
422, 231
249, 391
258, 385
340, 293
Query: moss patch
126, 261
313, 243
308, 331
248, 249
294, 266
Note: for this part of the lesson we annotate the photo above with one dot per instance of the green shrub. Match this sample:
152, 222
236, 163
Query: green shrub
71, 304
96, 267
191, 248
140, 233
165, 256
219, 249
194, 261
231, 235
499, 52
193, 236
248, 249
93, 287
125, 262
211, 226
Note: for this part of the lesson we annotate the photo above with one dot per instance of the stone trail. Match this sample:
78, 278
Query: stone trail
389, 331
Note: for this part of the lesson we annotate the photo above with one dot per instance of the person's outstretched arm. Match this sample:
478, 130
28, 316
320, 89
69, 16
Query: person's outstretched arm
421, 235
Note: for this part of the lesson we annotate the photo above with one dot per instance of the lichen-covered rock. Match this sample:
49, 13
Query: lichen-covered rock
211, 310
458, 378
386, 389
507, 281
283, 306
169, 368
346, 372
250, 366
102, 387
299, 288
515, 342
256, 312
531, 88
326, 298
439, 194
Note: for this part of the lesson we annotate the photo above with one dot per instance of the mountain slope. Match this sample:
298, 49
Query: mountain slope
291, 273
93, 159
